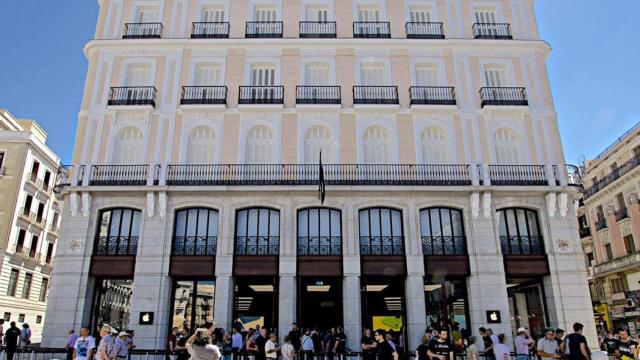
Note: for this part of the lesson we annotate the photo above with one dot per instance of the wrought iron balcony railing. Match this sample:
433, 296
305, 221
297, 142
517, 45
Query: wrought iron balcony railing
612, 176
257, 245
132, 95
522, 245
432, 95
372, 29
204, 95
503, 96
118, 175
116, 246
601, 223
376, 95
425, 30
382, 245
142, 31
318, 95
492, 31
210, 30
518, 175
622, 213
318, 29
261, 95
573, 175
444, 245
308, 174
264, 29
320, 246
195, 245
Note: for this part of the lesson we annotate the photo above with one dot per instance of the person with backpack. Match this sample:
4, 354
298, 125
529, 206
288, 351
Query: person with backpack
575, 344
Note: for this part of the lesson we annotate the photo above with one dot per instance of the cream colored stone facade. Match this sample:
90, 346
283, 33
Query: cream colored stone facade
489, 139
28, 237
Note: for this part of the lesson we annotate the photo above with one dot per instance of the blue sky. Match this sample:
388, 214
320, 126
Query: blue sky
594, 67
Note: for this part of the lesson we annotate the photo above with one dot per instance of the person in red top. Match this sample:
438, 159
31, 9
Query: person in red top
172, 341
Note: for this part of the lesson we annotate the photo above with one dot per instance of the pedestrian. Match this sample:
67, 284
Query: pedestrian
84, 346
130, 344
227, 349
250, 347
25, 336
610, 344
368, 345
172, 341
181, 346
482, 331
307, 345
11, 340
318, 347
441, 347
384, 351
340, 347
472, 349
422, 352
488, 345
329, 342
200, 348
501, 350
627, 347
271, 346
523, 344
236, 341
576, 343
547, 347
71, 342
295, 335
261, 342
494, 337
107, 346
1, 331
560, 340
288, 351
122, 350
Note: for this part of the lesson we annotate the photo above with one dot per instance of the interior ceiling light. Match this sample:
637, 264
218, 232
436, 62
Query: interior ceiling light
511, 285
376, 288
432, 287
318, 288
261, 288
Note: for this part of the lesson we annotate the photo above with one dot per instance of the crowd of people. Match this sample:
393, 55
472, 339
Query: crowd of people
109, 344
14, 338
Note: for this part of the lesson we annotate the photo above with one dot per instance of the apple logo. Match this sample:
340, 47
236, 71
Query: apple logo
494, 316
146, 318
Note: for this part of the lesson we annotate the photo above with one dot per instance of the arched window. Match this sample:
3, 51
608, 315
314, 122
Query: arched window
195, 232
507, 147
118, 232
258, 232
129, 147
319, 232
259, 145
202, 146
434, 146
520, 232
376, 146
317, 139
442, 232
381, 232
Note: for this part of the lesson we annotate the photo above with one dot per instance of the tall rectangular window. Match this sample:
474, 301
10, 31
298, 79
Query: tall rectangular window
629, 245
207, 75
40, 213
49, 253
26, 288
34, 246
47, 179
28, 200
495, 77
317, 13
609, 252
316, 74
212, 14
369, 13
427, 75
372, 74
485, 16
265, 13
262, 75
137, 75
148, 15
1, 159
419, 13
13, 282
22, 234
34, 170
44, 290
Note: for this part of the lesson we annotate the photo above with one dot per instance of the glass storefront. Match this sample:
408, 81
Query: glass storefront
447, 307
112, 303
256, 302
527, 307
384, 306
193, 303
320, 302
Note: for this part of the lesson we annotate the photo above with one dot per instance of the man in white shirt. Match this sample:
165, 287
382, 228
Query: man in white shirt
84, 346
271, 347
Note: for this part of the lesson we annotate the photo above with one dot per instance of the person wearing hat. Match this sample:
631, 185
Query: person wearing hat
523, 344
548, 346
107, 346
122, 350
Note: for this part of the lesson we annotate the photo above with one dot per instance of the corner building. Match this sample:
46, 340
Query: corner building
194, 192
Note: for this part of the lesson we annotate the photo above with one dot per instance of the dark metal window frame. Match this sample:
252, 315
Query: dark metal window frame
132, 240
210, 241
366, 240
13, 282
2, 153
307, 249
26, 286
526, 243
443, 244
193, 296
271, 249
44, 289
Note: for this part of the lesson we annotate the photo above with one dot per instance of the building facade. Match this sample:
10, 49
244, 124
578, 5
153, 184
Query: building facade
609, 221
194, 192
29, 221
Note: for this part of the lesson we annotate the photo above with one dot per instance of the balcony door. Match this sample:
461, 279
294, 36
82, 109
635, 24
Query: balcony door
495, 77
207, 75
369, 14
137, 75
427, 75
419, 14
148, 15
317, 74
317, 13
263, 75
212, 14
372, 75
485, 16
265, 13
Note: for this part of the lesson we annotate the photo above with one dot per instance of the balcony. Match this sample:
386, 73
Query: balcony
142, 31
584, 232
503, 96
252, 95
521, 245
617, 265
622, 214
382, 245
601, 224
257, 246
372, 30
425, 30
492, 31
27, 214
612, 176
195, 245
132, 96
309, 174
375, 95
320, 246
210, 30
118, 175
444, 245
325, 95
204, 95
318, 29
518, 175
116, 246
432, 95
264, 29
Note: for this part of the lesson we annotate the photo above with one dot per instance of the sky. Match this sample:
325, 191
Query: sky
594, 67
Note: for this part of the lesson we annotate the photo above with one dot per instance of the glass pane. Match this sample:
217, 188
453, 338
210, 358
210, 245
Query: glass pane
213, 223
241, 223
511, 222
313, 222
521, 218
324, 222
204, 302
425, 225
252, 226
135, 224
115, 223
374, 217
181, 219
191, 222
533, 223
263, 222
335, 223
274, 226
503, 223
104, 223
364, 223
385, 220
202, 222
446, 222
396, 223
126, 223
436, 230
302, 223
113, 303
182, 305
457, 223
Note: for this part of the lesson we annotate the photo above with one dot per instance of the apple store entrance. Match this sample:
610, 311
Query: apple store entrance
383, 306
256, 302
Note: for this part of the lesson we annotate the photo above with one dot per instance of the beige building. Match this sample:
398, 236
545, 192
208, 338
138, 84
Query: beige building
195, 190
609, 223
29, 221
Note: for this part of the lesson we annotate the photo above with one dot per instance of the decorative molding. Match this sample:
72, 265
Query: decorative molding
562, 245
563, 204
162, 204
475, 204
486, 204
317, 52
73, 204
209, 52
150, 205
373, 52
551, 204
262, 52
86, 204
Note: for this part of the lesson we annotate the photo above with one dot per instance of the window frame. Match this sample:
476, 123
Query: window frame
398, 248
273, 241
27, 285
210, 241
12, 286
44, 289
333, 249
132, 240
533, 244
457, 244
